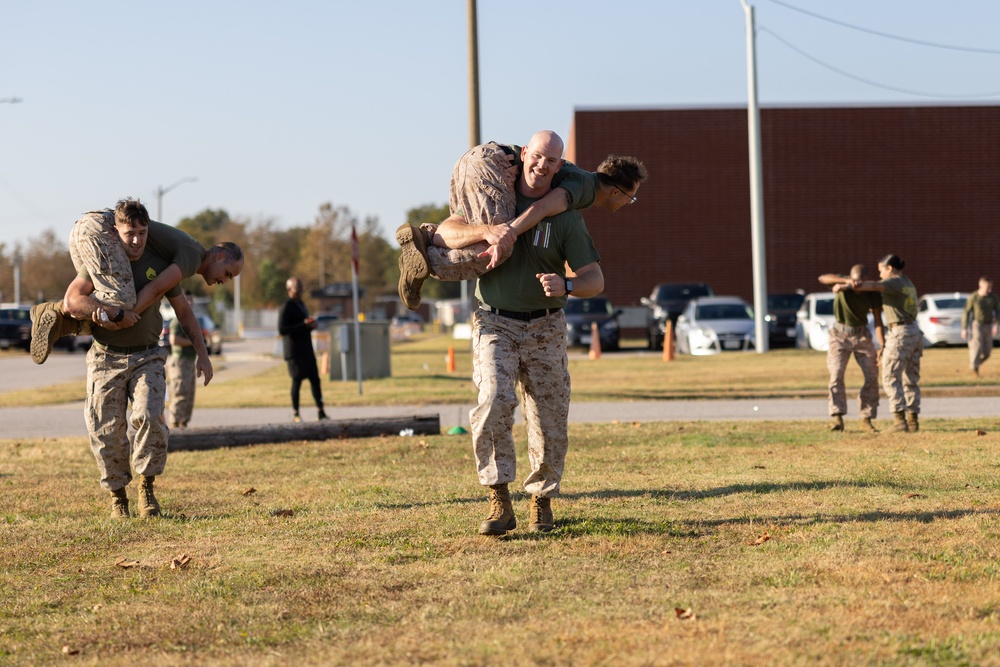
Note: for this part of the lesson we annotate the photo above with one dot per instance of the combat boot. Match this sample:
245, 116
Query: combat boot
838, 423
540, 514
49, 323
119, 504
413, 265
147, 501
912, 422
501, 516
868, 425
899, 425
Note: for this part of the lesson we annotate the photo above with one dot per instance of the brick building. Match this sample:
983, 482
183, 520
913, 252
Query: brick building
842, 185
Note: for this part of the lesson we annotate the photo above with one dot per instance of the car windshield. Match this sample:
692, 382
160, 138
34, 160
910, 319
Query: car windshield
678, 292
950, 302
723, 311
785, 301
824, 306
588, 307
15, 314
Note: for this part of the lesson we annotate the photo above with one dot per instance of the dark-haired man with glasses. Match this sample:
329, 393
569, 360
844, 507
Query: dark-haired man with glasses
480, 233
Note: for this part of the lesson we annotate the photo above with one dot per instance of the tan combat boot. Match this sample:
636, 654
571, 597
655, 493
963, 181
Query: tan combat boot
911, 422
868, 425
838, 423
49, 323
147, 501
540, 514
501, 516
119, 504
413, 265
899, 425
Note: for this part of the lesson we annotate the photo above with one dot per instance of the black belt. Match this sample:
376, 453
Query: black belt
901, 324
524, 317
843, 327
125, 350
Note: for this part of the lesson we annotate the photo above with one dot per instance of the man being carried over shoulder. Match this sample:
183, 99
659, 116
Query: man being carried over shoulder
480, 233
99, 245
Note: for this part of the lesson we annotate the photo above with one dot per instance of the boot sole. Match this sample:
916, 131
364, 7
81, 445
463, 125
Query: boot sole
413, 266
43, 329
496, 531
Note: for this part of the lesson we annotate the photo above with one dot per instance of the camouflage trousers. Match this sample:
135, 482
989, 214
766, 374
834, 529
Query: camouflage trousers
845, 341
532, 356
182, 374
113, 381
482, 189
980, 344
904, 345
94, 245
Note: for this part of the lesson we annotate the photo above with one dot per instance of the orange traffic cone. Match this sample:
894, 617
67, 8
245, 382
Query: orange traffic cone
451, 358
668, 341
595, 342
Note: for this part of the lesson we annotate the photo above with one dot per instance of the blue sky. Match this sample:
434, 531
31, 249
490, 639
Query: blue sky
278, 107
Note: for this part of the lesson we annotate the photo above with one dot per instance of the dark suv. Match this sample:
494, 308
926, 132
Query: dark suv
15, 327
668, 301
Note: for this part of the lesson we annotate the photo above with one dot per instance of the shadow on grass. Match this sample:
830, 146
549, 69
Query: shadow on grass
768, 487
861, 517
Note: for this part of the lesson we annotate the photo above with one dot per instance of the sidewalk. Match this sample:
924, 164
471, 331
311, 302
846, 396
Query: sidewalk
67, 420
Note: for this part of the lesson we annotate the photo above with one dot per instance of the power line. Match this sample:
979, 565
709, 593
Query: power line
870, 82
937, 45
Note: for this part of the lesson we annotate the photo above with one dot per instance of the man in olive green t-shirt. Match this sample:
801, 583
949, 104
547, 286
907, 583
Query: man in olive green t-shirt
984, 307
125, 365
850, 335
480, 232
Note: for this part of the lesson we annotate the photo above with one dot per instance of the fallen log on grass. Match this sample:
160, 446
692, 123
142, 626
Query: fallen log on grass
190, 439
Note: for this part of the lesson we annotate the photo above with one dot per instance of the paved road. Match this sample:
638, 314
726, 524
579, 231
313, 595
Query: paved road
252, 355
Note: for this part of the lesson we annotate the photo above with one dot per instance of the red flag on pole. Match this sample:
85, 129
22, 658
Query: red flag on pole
355, 252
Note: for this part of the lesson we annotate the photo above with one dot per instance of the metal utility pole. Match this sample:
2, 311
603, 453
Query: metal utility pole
756, 189
160, 191
474, 138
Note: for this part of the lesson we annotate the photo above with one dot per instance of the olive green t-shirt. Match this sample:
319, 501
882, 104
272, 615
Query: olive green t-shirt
180, 247
851, 308
555, 241
579, 184
983, 308
147, 330
899, 300
182, 351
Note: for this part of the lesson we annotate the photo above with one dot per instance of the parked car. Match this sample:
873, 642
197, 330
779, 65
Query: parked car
780, 318
667, 301
711, 324
210, 332
939, 317
814, 319
581, 313
15, 327
813, 322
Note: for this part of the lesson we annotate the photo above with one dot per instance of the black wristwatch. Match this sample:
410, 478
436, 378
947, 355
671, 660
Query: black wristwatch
120, 316
569, 285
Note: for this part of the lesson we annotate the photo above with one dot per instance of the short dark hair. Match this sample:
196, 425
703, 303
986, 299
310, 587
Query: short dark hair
131, 212
892, 261
621, 172
231, 251
986, 279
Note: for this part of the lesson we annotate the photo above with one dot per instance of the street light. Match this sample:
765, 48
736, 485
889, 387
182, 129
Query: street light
160, 191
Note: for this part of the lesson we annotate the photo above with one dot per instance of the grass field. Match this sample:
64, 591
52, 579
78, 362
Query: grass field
676, 543
419, 376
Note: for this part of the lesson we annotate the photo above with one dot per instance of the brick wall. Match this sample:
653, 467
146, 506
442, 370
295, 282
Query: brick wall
842, 185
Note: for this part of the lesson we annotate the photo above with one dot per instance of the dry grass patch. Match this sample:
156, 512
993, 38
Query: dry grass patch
778, 543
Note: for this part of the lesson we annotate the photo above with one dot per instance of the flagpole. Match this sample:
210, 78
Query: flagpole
357, 313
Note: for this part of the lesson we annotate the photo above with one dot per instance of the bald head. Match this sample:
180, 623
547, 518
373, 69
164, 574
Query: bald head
542, 158
859, 272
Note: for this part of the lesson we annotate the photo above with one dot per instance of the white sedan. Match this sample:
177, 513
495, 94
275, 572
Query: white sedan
939, 316
711, 324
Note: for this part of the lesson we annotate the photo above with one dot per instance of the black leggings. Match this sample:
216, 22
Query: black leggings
305, 370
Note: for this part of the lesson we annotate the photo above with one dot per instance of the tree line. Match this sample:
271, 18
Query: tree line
319, 254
